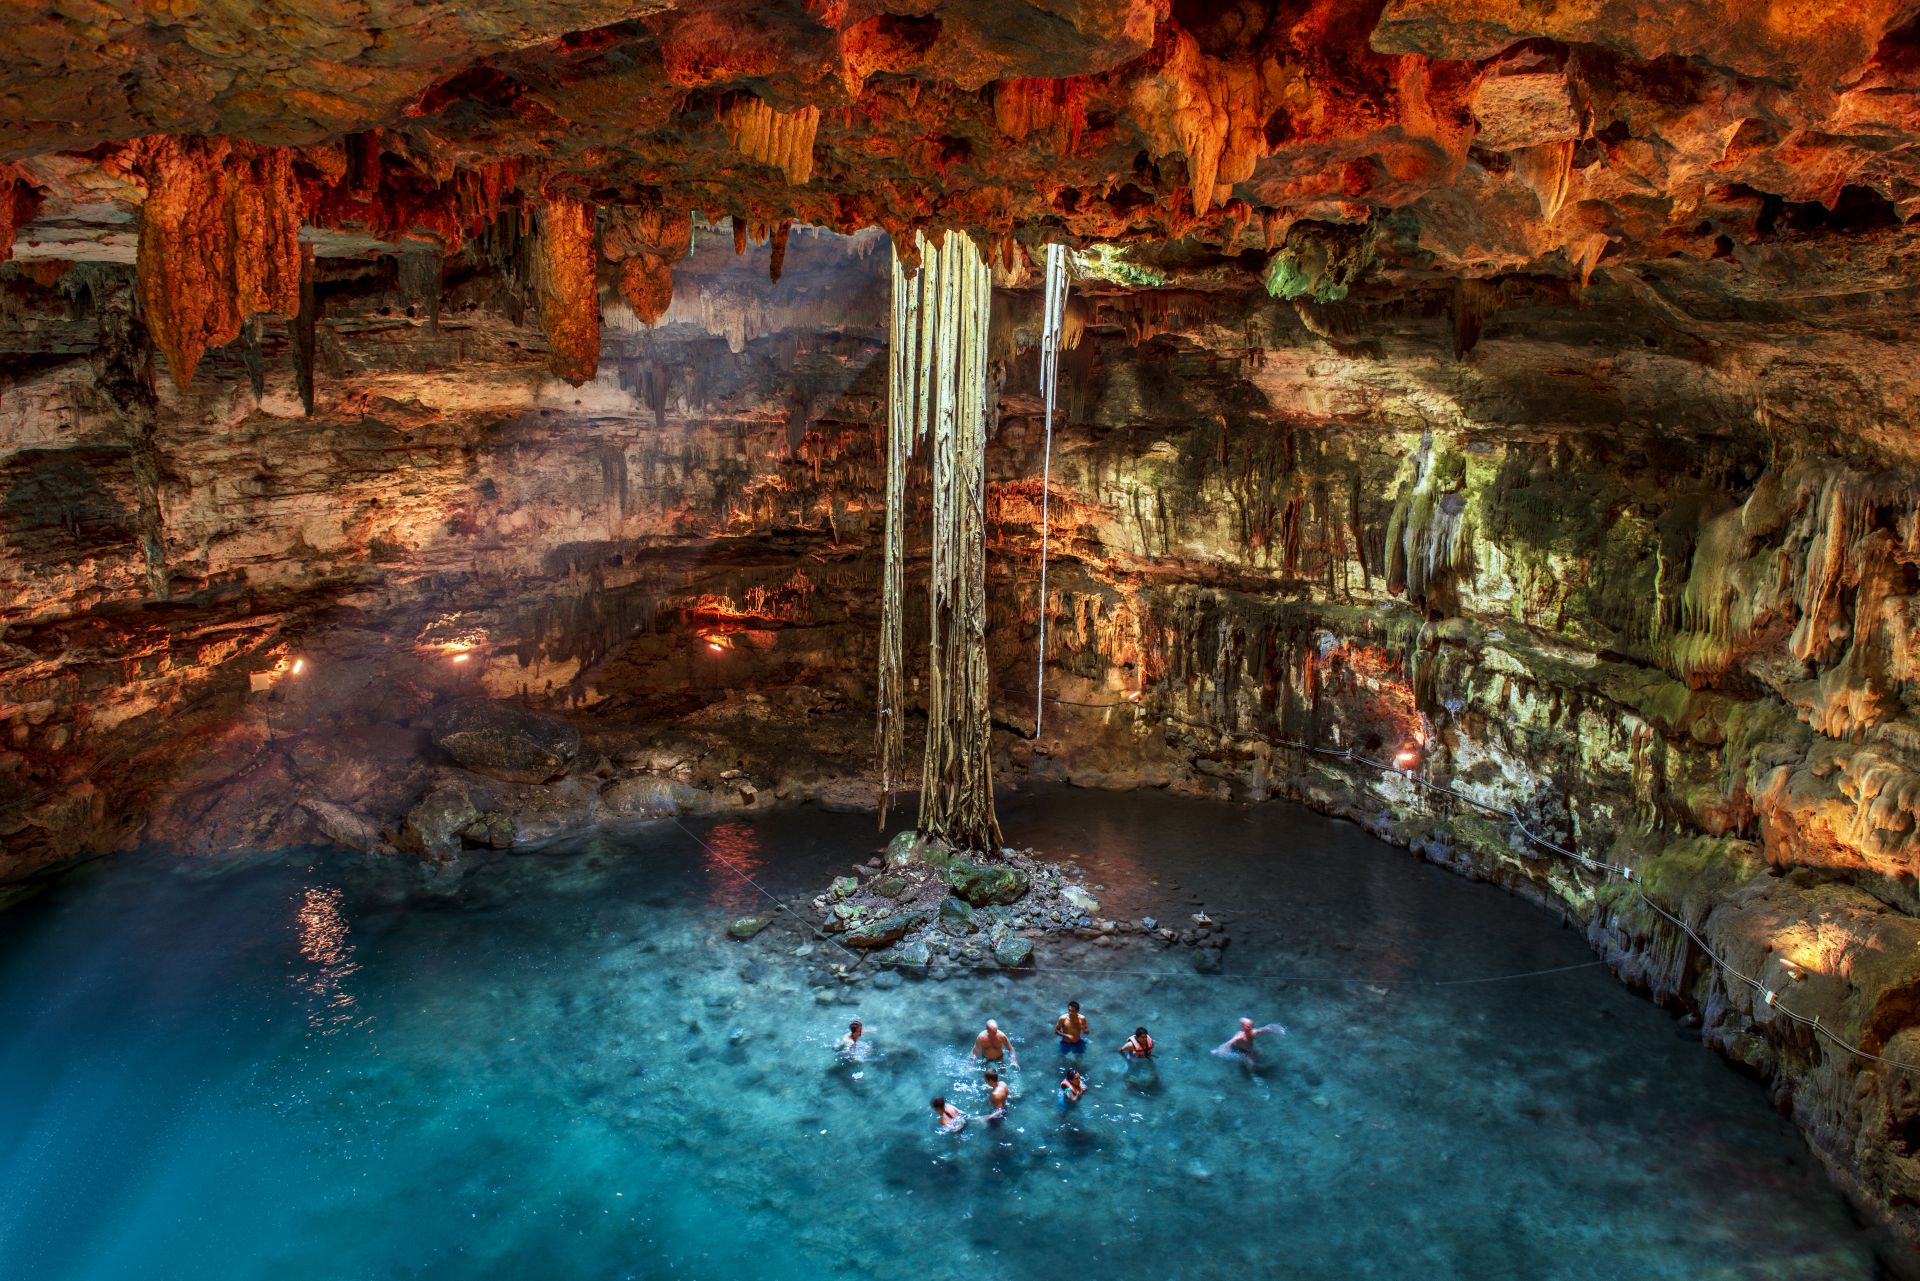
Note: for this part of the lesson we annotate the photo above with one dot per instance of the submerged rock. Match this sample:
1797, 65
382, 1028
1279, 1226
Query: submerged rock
1013, 951
748, 926
881, 931
505, 741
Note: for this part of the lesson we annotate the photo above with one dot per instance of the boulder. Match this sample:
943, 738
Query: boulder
956, 914
435, 826
892, 887
911, 849
506, 741
748, 926
494, 829
653, 796
844, 886
346, 827
916, 954
884, 930
1013, 951
1080, 899
983, 883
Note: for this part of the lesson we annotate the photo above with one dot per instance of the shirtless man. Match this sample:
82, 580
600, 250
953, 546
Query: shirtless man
851, 1039
948, 1117
996, 1095
1240, 1044
1071, 1028
992, 1043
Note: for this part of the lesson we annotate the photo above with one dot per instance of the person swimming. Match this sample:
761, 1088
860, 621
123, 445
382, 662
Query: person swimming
992, 1044
948, 1117
1137, 1048
1072, 1086
1071, 1028
1240, 1045
851, 1041
997, 1095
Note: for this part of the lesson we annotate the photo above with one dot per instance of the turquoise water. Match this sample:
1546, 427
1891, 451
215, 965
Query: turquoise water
307, 1066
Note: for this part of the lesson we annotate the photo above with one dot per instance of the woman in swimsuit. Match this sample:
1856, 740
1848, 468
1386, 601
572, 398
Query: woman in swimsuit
1071, 1088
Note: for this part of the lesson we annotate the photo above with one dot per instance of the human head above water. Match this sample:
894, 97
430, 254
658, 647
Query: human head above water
1246, 1025
939, 1103
853, 1028
1140, 1032
993, 1077
992, 1026
1074, 1006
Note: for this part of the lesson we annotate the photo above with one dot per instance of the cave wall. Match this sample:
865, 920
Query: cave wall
1634, 562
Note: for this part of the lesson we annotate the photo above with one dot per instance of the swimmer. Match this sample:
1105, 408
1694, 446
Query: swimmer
851, 1040
1137, 1048
1071, 1088
992, 1043
1071, 1028
997, 1093
948, 1117
1240, 1045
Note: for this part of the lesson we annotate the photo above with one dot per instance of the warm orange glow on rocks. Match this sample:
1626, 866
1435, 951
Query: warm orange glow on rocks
565, 273
219, 241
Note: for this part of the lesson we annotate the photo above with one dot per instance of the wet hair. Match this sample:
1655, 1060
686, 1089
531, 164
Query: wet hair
854, 1026
939, 1103
1072, 1073
993, 1077
1074, 1006
1139, 1031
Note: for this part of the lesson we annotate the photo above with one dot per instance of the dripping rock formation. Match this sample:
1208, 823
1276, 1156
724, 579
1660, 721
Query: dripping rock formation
441, 427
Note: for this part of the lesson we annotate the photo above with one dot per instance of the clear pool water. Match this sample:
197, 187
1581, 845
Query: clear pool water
304, 1066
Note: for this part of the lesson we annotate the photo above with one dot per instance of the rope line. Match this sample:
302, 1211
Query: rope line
1771, 997
779, 902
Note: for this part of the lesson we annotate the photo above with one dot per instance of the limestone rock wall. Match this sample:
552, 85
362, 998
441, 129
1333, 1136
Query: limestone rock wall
1635, 564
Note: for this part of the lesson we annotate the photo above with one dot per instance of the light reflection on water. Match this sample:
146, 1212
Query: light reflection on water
567, 1070
325, 945
732, 853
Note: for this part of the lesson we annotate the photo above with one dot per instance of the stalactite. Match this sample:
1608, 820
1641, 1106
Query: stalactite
777, 257
566, 276
783, 139
306, 315
939, 374
19, 204
646, 242
219, 241
123, 364
1473, 303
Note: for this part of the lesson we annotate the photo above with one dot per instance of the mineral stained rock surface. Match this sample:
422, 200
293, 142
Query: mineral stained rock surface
1521, 395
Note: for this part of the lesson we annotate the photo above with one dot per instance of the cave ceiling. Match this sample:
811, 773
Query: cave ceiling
1314, 145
